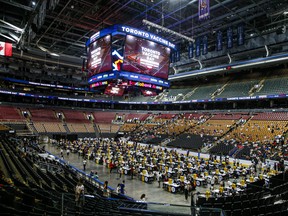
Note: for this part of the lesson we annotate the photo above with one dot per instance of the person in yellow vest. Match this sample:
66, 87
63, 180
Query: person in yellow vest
207, 194
221, 189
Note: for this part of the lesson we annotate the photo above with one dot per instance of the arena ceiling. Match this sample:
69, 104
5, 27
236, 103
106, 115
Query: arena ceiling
62, 27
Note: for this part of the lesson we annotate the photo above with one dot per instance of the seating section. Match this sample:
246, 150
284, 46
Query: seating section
156, 140
255, 127
165, 116
80, 128
213, 127
40, 127
223, 147
230, 116
9, 113
42, 194
131, 116
255, 201
75, 116
276, 85
17, 126
237, 89
40, 115
141, 98
28, 190
277, 116
89, 128
3, 128
104, 117
128, 127
109, 128
260, 130
244, 153
204, 92
49, 127
176, 94
196, 116
188, 141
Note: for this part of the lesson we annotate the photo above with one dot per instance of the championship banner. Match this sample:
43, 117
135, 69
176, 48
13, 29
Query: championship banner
229, 38
5, 49
198, 47
205, 45
191, 50
240, 34
219, 41
203, 9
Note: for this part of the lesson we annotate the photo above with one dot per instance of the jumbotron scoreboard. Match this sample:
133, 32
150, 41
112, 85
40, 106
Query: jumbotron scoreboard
121, 59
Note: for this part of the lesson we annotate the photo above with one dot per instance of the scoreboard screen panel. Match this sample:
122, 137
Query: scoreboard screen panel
114, 90
99, 56
146, 57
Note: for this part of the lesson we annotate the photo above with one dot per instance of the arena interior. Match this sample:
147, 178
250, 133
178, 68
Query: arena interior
144, 107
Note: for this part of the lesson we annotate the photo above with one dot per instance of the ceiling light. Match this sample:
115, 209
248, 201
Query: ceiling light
54, 54
191, 2
42, 48
33, 3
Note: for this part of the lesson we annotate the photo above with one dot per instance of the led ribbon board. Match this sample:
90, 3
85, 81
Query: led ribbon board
127, 30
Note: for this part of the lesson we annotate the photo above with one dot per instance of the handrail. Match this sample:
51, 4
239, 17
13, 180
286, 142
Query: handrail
97, 181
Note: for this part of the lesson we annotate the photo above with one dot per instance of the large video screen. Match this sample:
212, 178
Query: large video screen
146, 57
99, 56
114, 90
148, 93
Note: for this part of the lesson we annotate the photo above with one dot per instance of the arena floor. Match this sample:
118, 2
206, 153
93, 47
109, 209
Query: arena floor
134, 188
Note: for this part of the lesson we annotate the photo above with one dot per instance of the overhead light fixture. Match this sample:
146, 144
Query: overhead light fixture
33, 3
162, 28
46, 50
42, 48
191, 2
54, 54
11, 25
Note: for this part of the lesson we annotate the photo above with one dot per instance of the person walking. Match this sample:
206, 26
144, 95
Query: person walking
132, 172
122, 187
61, 154
143, 197
186, 191
120, 170
158, 177
84, 164
79, 193
111, 166
118, 189
68, 152
105, 189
